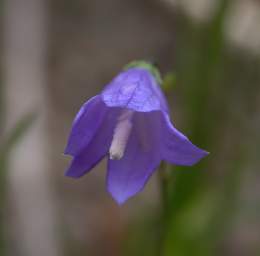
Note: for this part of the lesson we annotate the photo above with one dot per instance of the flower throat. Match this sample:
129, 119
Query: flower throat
121, 135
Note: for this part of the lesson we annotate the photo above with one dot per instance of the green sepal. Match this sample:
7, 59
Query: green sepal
146, 65
169, 82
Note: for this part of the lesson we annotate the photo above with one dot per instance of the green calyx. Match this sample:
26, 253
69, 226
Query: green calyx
146, 65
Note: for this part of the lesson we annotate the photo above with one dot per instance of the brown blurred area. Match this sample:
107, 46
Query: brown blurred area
57, 54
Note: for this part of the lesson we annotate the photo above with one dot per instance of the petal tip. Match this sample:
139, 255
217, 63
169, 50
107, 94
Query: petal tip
120, 201
70, 174
73, 173
119, 197
200, 155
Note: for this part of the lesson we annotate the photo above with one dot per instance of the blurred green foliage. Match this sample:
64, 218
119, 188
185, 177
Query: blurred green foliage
200, 202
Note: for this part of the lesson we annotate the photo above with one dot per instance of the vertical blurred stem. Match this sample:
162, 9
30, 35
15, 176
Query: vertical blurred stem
163, 179
163, 187
200, 121
185, 186
204, 72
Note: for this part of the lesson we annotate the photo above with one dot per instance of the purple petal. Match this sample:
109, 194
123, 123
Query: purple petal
135, 89
176, 147
97, 148
127, 176
85, 125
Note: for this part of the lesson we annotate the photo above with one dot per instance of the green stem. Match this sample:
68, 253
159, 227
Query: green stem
164, 182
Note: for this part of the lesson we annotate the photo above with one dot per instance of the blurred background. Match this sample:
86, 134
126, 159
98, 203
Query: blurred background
57, 54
